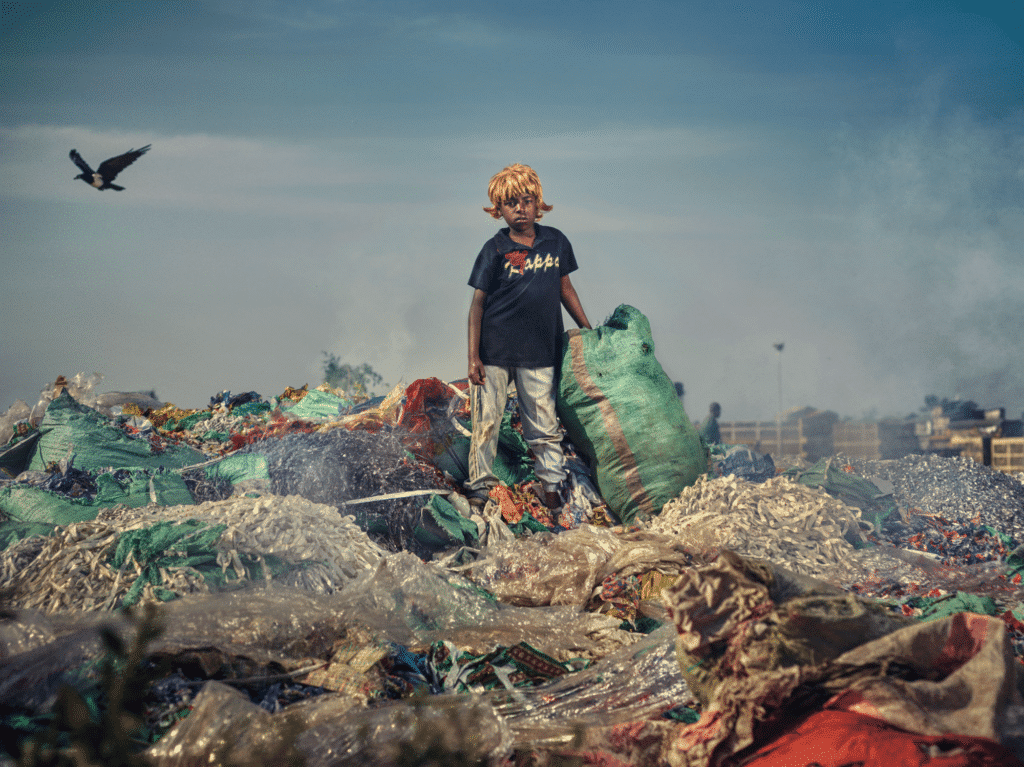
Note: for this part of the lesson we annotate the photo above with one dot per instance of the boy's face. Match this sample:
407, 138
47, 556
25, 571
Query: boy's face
519, 212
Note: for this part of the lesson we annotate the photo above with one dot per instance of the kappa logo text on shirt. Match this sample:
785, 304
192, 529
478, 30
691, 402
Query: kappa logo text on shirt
518, 261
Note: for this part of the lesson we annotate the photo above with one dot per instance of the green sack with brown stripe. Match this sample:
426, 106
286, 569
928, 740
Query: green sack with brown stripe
622, 412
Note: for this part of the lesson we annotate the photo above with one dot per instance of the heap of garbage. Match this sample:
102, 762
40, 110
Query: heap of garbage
300, 580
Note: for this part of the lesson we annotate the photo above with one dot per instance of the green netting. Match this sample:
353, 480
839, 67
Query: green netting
933, 608
12, 532
240, 467
317, 404
188, 422
68, 426
130, 487
622, 411
167, 545
24, 503
250, 408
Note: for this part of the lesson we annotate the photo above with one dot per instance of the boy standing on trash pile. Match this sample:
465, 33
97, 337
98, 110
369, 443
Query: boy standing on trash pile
521, 281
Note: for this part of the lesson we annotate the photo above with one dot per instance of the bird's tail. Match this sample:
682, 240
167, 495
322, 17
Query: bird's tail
115, 187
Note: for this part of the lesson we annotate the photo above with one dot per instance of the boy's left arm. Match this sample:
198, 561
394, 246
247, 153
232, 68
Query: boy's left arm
572, 304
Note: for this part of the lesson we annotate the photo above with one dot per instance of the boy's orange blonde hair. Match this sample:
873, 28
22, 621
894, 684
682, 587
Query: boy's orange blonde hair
513, 181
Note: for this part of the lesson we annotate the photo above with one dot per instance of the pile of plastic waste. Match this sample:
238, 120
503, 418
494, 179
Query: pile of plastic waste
300, 580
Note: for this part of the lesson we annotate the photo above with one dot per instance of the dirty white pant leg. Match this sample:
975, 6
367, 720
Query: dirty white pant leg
536, 388
487, 406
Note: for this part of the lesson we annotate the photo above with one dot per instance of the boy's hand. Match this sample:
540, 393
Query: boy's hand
476, 372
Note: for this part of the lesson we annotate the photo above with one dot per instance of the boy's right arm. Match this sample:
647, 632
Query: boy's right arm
476, 317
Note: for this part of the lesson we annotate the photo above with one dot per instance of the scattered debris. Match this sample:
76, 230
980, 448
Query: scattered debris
325, 588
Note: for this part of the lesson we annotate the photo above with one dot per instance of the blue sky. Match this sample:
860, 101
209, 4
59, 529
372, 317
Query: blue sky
846, 178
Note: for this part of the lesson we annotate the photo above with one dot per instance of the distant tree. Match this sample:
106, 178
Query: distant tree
353, 379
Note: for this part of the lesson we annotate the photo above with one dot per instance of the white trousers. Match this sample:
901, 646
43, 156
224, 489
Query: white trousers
536, 389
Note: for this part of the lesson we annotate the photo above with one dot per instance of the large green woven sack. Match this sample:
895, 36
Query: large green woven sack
96, 443
621, 410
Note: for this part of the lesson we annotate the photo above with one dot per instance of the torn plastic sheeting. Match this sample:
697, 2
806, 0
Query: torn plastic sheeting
753, 652
258, 630
951, 676
224, 727
325, 550
39, 654
565, 569
415, 604
634, 683
741, 461
737, 613
15, 458
69, 427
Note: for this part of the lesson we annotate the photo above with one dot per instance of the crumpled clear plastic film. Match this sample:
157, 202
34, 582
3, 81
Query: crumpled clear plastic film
258, 630
42, 652
22, 631
632, 684
415, 603
224, 727
564, 569
334, 549
19, 411
250, 631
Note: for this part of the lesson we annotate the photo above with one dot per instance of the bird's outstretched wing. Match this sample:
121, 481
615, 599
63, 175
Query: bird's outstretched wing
76, 158
110, 168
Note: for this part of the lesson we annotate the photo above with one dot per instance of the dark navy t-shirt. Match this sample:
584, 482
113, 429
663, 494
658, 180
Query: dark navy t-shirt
522, 322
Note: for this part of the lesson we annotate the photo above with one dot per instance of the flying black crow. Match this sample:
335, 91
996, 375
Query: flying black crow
102, 177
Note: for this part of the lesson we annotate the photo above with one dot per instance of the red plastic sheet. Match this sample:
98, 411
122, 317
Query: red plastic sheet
843, 738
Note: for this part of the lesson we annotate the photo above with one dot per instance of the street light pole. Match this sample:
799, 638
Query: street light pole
778, 416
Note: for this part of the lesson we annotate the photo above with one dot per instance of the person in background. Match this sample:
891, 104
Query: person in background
520, 283
709, 428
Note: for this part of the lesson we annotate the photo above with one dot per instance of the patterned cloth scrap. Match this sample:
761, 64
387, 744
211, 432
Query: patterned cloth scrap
513, 502
451, 670
622, 595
